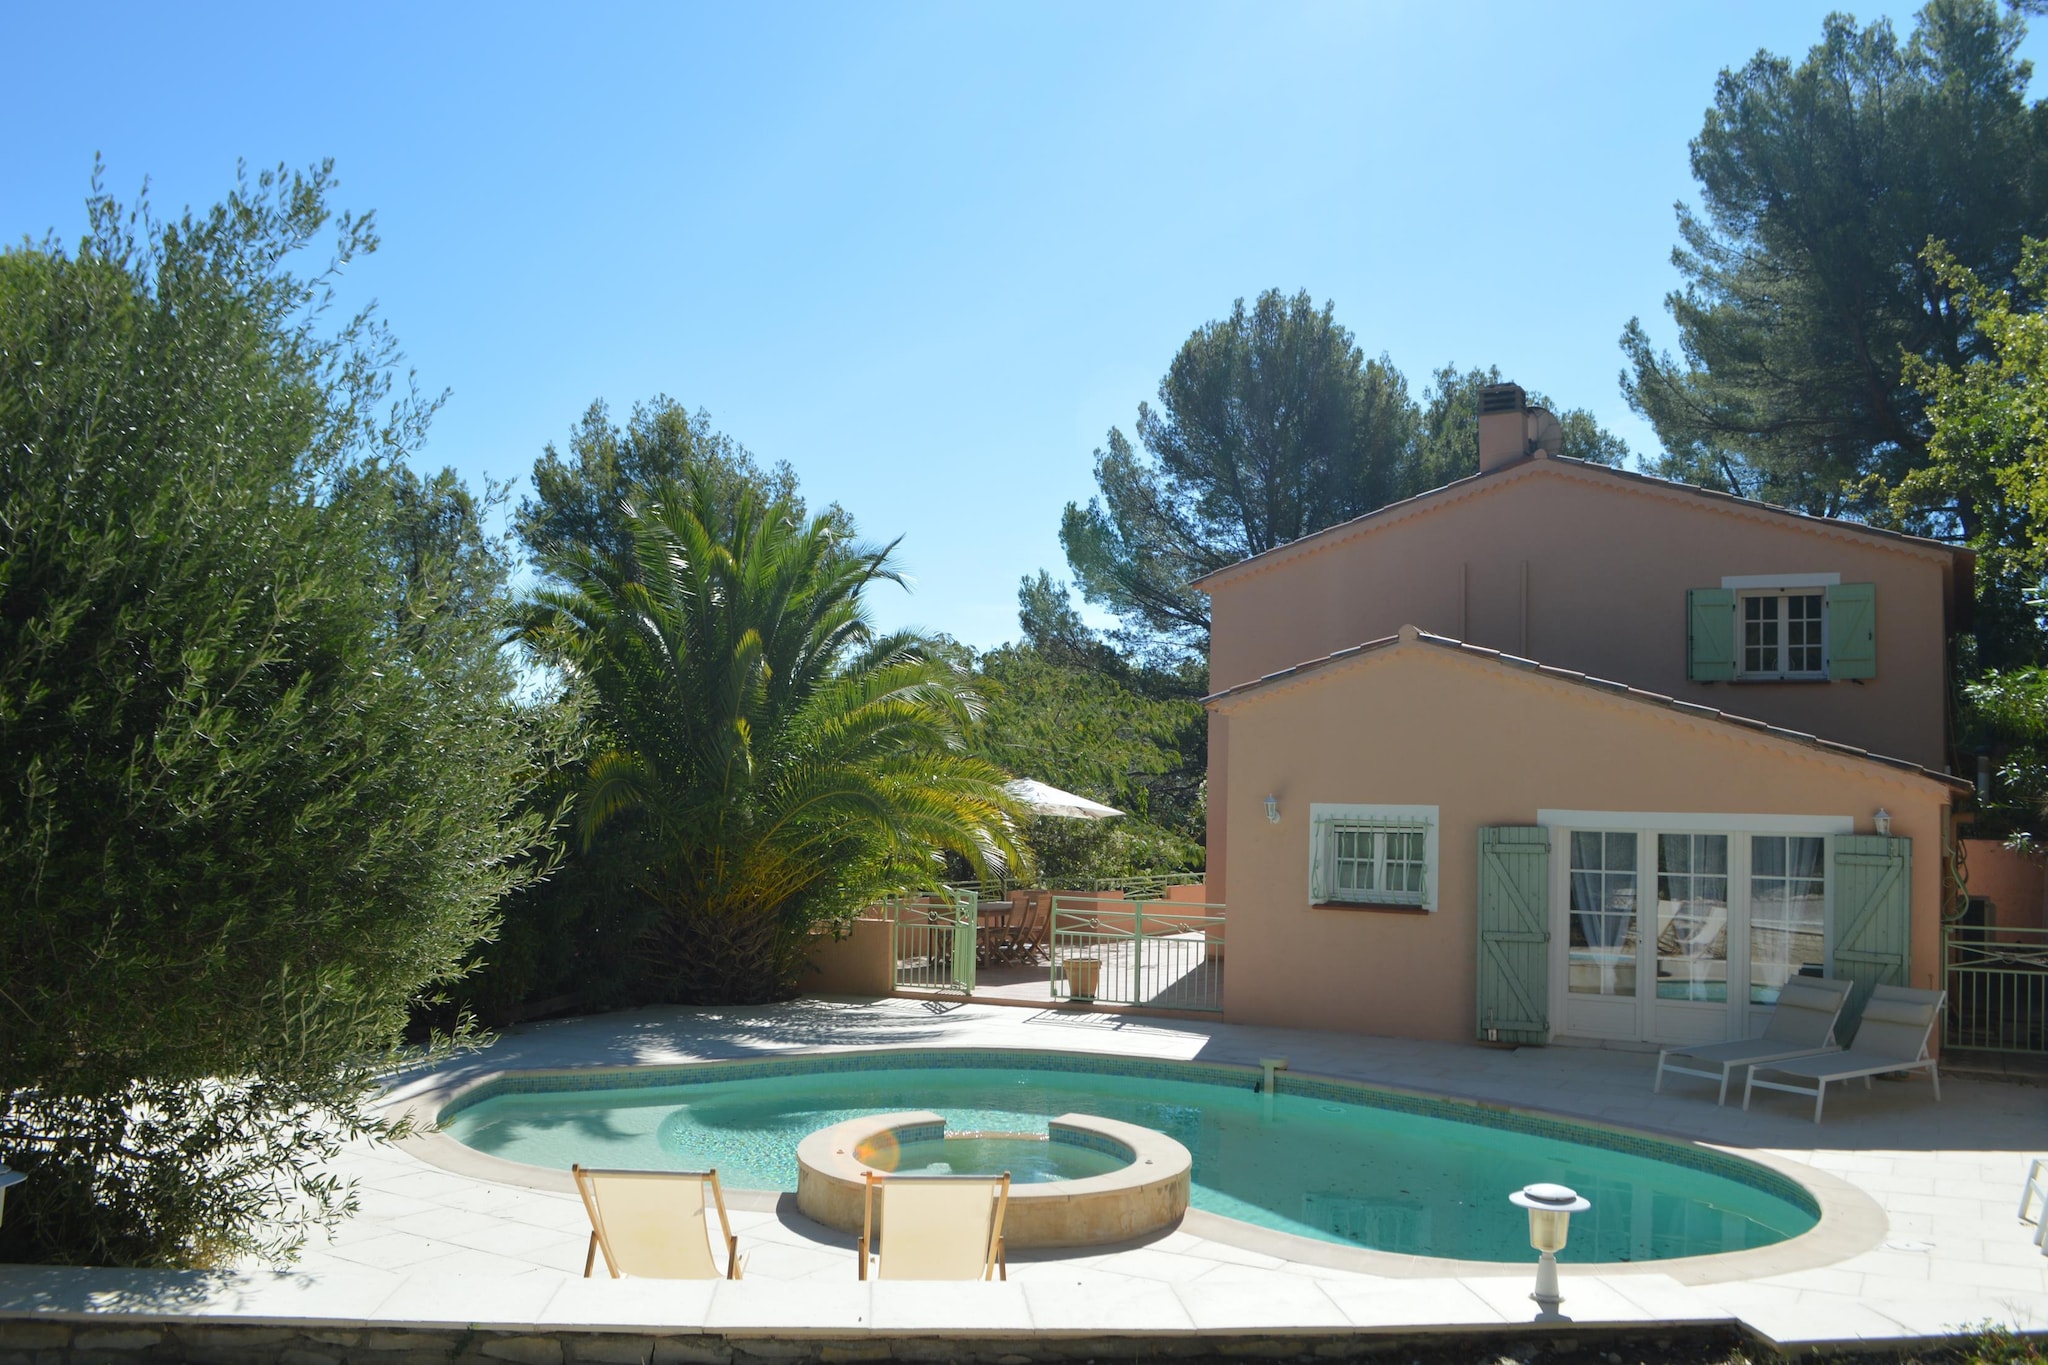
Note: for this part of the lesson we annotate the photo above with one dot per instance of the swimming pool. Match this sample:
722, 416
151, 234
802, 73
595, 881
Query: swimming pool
1337, 1162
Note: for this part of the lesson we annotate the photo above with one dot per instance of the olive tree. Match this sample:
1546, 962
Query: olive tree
259, 762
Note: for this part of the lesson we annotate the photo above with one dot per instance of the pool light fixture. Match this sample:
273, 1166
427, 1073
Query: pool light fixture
1272, 810
1550, 1214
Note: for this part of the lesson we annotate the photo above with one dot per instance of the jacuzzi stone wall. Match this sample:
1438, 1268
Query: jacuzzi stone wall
1147, 1195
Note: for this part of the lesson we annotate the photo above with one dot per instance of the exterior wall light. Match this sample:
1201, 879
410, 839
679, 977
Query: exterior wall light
1882, 822
1550, 1214
1272, 810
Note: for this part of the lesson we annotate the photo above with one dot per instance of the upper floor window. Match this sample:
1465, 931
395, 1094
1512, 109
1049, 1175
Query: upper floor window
1784, 633
1797, 627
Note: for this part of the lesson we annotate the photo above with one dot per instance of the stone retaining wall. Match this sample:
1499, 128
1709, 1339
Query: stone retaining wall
141, 1342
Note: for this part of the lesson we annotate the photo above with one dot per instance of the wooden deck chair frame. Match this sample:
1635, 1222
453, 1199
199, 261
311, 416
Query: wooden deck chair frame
1802, 1003
1027, 937
1906, 1018
994, 1261
588, 1183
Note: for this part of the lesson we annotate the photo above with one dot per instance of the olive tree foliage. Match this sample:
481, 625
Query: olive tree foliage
1272, 424
1805, 285
258, 765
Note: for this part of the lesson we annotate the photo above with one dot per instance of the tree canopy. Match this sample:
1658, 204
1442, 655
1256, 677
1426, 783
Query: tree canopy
1805, 287
1988, 445
259, 769
577, 496
776, 762
1272, 424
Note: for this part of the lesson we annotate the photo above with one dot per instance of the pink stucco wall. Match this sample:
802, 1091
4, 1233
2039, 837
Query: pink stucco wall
2016, 885
858, 964
1607, 568
1490, 745
1584, 570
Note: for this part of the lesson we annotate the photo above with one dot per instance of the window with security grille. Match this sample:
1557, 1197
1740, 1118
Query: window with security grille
1370, 860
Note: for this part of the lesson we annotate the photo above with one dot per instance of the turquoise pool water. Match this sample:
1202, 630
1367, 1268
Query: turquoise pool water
1392, 1173
1029, 1161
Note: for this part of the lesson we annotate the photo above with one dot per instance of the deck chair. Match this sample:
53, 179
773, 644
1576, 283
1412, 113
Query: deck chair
1034, 921
1897, 1029
651, 1224
936, 1227
1802, 1023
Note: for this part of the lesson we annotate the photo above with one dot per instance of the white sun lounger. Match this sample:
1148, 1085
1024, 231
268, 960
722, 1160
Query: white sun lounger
936, 1227
652, 1224
1895, 1035
1802, 1023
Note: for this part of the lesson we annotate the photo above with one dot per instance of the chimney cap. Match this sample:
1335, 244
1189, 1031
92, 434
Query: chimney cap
1502, 398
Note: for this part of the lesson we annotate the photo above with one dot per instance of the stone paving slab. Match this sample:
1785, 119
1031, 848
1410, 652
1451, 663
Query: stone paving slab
434, 1248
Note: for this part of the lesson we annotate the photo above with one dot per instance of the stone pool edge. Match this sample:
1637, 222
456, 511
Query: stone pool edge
1850, 1221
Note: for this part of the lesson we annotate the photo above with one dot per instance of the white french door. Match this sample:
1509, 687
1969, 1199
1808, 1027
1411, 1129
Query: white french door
1683, 936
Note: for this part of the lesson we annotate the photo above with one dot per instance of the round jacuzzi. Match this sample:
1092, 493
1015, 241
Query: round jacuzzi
1086, 1181
1336, 1161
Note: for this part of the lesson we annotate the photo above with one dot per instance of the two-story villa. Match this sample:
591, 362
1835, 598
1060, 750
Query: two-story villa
1562, 751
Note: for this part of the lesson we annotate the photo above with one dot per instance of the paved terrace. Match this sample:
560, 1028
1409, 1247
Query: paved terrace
1920, 1238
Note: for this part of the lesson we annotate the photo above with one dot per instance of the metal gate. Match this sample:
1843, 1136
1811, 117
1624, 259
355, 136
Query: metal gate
932, 942
1997, 988
1155, 953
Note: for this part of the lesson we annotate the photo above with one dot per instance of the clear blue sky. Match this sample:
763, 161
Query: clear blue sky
928, 254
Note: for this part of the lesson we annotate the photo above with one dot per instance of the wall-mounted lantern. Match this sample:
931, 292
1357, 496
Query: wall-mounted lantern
1272, 810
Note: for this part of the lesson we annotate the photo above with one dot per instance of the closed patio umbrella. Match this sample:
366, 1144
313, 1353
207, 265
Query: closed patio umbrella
1049, 800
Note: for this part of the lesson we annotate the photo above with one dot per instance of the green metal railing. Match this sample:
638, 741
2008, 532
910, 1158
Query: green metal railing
1155, 953
1997, 988
1150, 885
931, 941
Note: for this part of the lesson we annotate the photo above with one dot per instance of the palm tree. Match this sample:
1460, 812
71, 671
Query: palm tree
778, 763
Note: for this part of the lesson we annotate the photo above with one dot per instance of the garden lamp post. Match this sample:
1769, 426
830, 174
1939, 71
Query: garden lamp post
1550, 1214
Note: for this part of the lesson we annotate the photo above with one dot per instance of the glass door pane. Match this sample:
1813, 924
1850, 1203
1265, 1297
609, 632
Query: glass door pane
1692, 917
1787, 911
1602, 956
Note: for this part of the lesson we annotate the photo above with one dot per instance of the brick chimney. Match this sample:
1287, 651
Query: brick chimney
1503, 425
1510, 429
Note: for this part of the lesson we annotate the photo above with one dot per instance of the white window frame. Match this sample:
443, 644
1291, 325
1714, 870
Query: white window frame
1780, 586
1327, 818
1778, 595
1632, 1019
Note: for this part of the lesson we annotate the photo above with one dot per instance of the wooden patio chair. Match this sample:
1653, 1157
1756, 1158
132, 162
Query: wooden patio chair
652, 1224
1030, 925
935, 1227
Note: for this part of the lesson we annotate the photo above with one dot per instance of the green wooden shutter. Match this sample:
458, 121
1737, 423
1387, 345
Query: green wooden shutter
1319, 878
1872, 931
1514, 934
1710, 634
1852, 630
